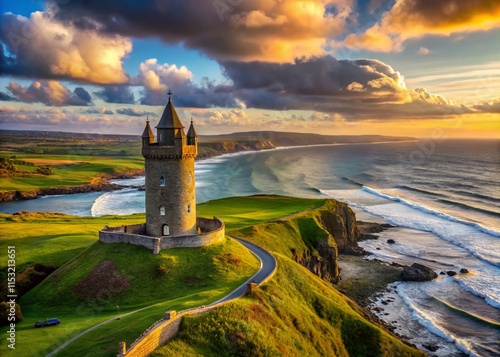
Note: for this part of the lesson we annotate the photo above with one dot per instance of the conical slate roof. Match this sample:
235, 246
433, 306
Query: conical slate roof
191, 132
169, 118
148, 132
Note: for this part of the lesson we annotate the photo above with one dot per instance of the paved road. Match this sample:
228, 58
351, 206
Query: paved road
267, 266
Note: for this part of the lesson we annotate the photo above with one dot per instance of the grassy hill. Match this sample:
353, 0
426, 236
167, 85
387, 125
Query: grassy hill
126, 276
294, 314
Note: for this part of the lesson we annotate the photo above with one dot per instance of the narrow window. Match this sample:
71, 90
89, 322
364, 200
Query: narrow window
165, 231
161, 137
189, 208
190, 177
162, 181
162, 210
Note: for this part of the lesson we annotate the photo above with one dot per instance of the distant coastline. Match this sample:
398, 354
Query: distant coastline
56, 143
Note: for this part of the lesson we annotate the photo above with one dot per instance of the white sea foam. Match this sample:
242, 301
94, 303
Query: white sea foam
428, 210
111, 203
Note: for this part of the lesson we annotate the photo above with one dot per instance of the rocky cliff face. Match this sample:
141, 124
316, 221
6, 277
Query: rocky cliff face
339, 221
325, 265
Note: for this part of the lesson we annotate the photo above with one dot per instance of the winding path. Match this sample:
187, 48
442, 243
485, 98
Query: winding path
267, 268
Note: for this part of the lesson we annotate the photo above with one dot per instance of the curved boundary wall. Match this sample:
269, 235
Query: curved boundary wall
166, 328
212, 231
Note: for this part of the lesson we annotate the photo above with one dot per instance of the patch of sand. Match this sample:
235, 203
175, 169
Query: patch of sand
41, 161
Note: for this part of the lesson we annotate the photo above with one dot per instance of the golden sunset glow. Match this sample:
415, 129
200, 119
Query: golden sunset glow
343, 66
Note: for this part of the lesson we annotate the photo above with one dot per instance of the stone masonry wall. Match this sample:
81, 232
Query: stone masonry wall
212, 231
155, 338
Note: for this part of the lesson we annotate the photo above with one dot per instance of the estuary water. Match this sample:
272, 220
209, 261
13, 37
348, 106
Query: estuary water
443, 196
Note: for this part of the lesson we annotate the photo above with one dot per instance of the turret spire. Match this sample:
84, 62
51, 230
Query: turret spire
192, 137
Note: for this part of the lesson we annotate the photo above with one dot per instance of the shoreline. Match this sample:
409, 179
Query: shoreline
103, 183
365, 280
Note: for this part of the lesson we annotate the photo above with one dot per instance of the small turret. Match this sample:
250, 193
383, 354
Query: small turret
147, 136
192, 137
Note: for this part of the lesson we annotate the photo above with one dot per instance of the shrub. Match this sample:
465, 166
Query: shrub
4, 313
45, 170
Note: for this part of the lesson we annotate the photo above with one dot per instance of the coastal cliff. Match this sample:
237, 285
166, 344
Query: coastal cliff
211, 149
312, 238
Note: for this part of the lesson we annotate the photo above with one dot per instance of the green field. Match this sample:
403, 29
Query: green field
191, 277
69, 170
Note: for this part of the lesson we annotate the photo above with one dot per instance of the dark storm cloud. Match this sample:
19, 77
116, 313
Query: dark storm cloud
81, 93
206, 95
50, 93
116, 94
325, 76
363, 89
222, 29
6, 97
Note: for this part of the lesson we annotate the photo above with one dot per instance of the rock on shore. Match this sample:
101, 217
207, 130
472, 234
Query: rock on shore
418, 272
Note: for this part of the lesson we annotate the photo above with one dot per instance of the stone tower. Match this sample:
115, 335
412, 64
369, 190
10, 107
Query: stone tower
170, 182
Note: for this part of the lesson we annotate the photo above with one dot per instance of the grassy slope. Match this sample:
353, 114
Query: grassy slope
196, 277
294, 314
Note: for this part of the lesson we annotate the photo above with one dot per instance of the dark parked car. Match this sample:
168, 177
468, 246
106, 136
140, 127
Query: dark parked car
48, 322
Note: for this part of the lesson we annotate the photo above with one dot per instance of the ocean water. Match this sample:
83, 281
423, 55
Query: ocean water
444, 197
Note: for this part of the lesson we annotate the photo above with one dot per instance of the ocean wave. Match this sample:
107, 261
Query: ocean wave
112, 203
475, 195
471, 315
429, 322
469, 207
419, 190
52, 196
427, 210
489, 300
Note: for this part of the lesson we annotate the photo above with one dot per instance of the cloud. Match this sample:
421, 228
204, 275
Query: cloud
41, 47
157, 79
409, 19
208, 117
50, 93
116, 94
278, 31
134, 112
103, 110
492, 106
423, 51
6, 97
356, 90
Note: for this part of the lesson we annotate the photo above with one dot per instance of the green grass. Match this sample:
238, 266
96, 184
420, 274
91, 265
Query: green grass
196, 276
294, 314
81, 171
192, 277
238, 212
52, 238
294, 235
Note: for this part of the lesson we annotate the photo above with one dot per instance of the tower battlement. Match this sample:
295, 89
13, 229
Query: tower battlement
169, 152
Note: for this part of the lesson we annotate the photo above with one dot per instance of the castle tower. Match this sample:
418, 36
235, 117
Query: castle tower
170, 181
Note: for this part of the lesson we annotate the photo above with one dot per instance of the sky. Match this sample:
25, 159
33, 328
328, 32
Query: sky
420, 68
